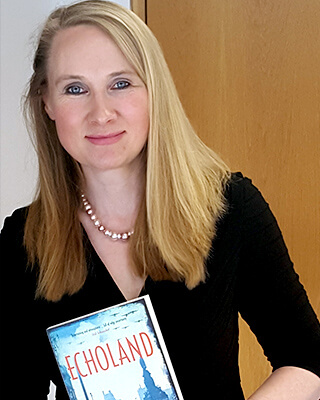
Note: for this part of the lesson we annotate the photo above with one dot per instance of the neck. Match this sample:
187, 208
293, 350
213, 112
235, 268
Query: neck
116, 195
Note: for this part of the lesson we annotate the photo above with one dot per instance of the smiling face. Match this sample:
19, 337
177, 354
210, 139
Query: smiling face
97, 100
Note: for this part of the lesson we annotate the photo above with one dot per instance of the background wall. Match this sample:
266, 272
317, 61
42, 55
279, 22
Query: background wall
19, 25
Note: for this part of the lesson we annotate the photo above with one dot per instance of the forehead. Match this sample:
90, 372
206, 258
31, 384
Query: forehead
84, 47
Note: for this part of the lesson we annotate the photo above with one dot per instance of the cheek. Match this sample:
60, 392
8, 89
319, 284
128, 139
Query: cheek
140, 116
67, 122
145, 121
142, 122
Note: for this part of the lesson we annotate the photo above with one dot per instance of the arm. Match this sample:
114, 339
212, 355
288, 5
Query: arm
24, 358
275, 304
289, 383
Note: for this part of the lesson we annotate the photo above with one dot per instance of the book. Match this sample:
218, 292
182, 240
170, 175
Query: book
115, 354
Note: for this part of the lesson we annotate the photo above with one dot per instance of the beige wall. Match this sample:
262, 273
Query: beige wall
248, 76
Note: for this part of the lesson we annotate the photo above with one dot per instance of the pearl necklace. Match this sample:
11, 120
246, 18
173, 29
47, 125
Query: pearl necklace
99, 226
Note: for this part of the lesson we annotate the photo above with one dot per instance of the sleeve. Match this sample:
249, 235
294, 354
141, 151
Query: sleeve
23, 355
271, 298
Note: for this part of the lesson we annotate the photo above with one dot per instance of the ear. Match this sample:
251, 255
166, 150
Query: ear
47, 106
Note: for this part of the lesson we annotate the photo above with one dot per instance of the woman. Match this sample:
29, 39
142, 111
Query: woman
131, 202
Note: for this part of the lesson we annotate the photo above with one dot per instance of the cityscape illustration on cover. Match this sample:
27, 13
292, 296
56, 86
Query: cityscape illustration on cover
115, 354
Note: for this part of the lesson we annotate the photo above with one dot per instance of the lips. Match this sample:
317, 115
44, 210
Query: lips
105, 139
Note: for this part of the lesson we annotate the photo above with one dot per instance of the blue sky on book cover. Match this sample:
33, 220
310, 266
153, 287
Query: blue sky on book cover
114, 354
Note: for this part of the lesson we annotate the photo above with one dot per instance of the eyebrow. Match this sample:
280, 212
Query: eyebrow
81, 77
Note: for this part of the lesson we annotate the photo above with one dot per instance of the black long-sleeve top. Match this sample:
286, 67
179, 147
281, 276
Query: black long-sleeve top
249, 272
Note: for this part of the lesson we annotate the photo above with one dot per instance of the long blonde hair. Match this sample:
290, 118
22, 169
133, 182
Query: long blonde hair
185, 179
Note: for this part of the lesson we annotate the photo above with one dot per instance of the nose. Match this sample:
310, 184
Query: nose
102, 109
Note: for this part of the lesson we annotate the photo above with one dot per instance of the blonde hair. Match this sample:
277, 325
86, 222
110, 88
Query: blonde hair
185, 179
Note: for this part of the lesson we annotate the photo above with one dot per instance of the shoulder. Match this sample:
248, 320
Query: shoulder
247, 212
18, 217
13, 228
240, 188
244, 197
13, 271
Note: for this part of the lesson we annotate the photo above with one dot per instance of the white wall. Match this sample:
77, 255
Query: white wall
19, 23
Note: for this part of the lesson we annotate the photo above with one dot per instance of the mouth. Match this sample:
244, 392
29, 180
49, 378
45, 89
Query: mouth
105, 139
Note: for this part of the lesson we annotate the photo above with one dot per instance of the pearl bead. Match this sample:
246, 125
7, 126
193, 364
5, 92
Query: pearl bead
113, 235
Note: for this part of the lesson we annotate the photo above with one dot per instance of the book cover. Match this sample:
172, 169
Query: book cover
115, 354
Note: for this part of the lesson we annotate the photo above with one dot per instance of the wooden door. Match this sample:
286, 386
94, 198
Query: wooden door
248, 74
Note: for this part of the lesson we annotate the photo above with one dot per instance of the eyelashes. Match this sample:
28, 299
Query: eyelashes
77, 89
120, 85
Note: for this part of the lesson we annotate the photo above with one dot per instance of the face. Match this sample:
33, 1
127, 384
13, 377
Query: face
98, 102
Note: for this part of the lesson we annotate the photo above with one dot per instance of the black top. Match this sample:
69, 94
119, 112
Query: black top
249, 271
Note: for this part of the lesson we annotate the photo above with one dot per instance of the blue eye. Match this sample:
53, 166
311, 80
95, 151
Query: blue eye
121, 85
75, 90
